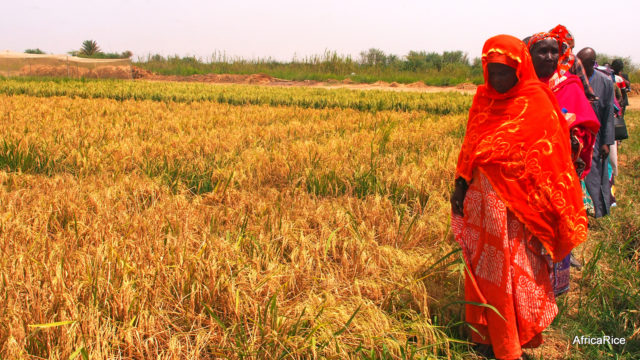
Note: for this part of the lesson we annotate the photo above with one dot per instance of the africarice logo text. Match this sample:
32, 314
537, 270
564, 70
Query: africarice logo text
601, 340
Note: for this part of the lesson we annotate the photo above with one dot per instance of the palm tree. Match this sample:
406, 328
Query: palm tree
89, 47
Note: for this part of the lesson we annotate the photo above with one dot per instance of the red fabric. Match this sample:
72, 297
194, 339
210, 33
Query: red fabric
506, 270
570, 95
566, 41
519, 142
535, 38
494, 57
563, 34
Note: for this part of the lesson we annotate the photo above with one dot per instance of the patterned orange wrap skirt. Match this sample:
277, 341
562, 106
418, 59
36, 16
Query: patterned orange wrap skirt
507, 269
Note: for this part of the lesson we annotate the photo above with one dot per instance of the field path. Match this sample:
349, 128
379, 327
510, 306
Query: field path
634, 102
466, 88
266, 80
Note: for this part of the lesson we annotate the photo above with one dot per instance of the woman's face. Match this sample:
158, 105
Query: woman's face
501, 77
544, 55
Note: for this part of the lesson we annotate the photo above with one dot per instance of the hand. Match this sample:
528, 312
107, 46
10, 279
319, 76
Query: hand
457, 198
604, 151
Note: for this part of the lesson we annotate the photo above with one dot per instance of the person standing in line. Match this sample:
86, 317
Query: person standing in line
597, 181
624, 84
545, 49
623, 87
612, 169
517, 199
567, 88
568, 62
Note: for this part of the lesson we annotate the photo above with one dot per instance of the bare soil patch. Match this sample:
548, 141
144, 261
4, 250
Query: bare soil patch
262, 79
634, 101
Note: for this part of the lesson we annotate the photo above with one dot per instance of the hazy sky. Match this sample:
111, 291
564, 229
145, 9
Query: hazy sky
281, 29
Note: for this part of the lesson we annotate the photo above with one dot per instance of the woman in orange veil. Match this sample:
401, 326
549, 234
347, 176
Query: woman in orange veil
517, 198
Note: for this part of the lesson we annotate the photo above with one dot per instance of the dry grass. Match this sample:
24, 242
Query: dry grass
117, 234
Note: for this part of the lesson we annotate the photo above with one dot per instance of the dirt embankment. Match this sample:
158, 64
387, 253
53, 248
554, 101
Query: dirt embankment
143, 74
77, 71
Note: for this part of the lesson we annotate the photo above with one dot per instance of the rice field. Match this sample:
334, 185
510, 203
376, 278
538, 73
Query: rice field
168, 220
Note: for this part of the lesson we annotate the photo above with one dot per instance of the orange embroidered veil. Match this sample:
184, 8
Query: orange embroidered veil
520, 141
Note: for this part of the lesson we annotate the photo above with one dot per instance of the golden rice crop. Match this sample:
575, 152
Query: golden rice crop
161, 229
154, 220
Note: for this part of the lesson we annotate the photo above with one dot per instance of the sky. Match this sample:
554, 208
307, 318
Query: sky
284, 29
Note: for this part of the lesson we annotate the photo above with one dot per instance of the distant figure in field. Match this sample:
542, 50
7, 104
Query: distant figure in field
517, 198
622, 81
597, 181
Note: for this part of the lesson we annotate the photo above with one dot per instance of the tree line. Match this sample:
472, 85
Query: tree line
89, 49
446, 68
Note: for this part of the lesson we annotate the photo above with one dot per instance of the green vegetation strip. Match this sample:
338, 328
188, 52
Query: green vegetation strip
362, 100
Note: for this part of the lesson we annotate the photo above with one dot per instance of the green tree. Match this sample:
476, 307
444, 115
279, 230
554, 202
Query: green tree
90, 48
455, 57
422, 60
373, 57
34, 51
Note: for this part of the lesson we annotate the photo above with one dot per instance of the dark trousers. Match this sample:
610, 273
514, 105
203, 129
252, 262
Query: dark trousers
597, 182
